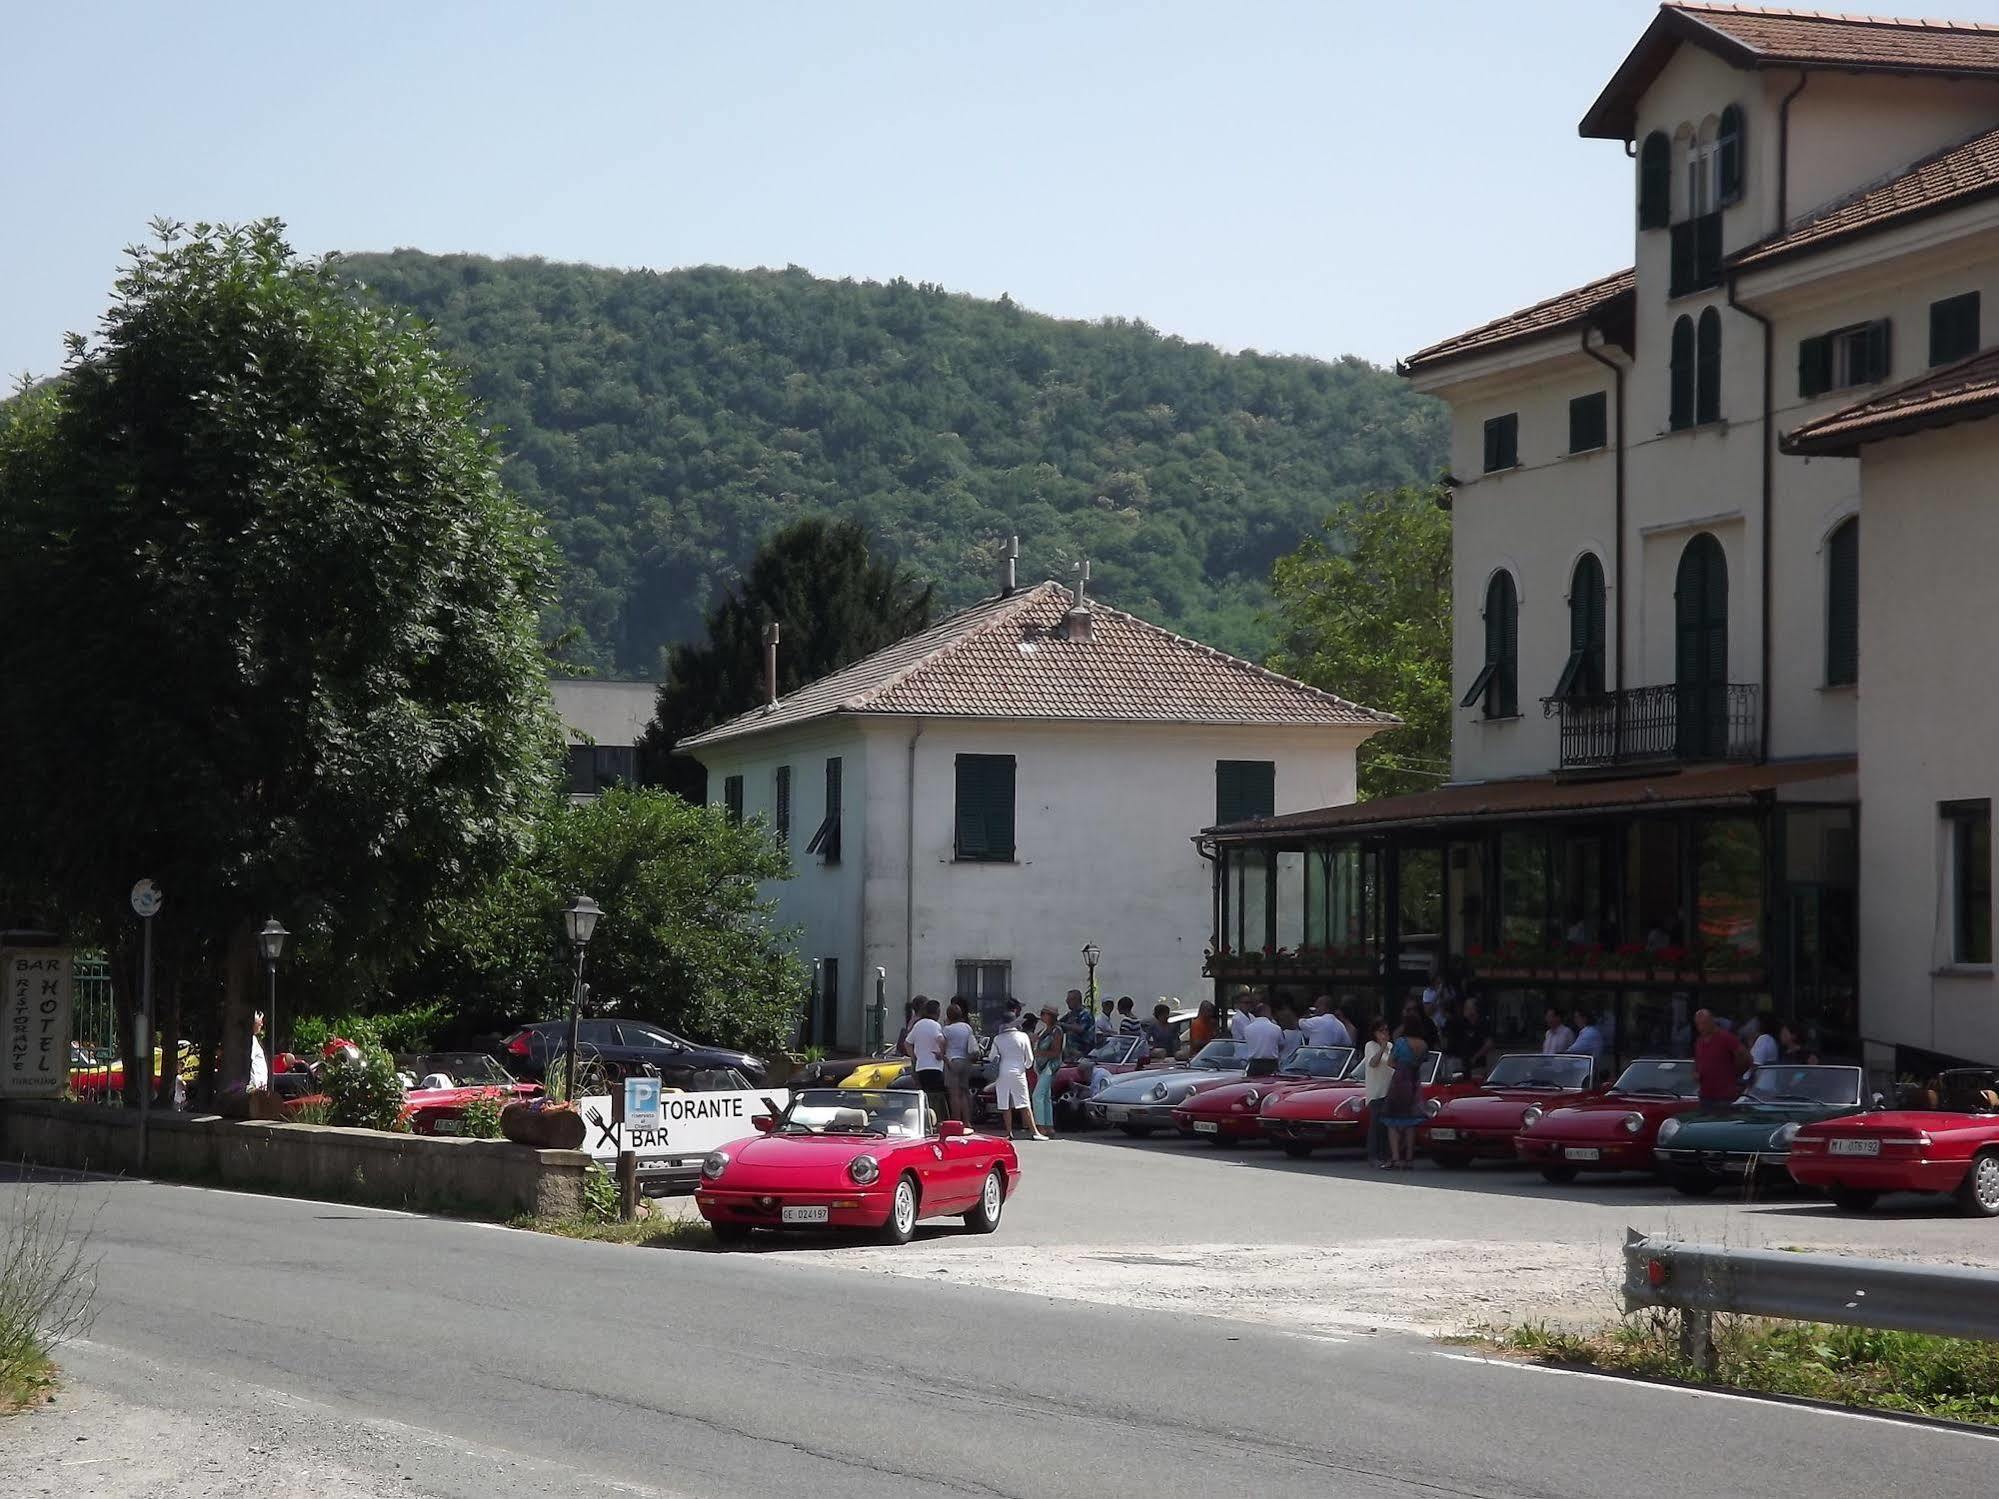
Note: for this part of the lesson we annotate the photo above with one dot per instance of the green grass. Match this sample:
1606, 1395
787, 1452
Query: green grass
1914, 1373
25, 1380
654, 1233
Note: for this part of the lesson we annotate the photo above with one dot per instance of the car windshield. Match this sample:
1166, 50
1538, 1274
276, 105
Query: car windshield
853, 1111
451, 1069
1803, 1085
1563, 1074
1970, 1090
1221, 1056
1117, 1049
1662, 1077
1320, 1061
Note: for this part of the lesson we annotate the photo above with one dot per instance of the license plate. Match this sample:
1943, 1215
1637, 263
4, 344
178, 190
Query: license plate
804, 1215
1582, 1153
448, 1127
1206, 1127
1443, 1134
1116, 1113
1855, 1147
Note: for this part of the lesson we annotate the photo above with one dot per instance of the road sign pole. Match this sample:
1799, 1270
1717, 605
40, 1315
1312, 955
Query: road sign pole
145, 1030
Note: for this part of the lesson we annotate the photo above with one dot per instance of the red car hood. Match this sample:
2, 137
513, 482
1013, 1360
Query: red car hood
1220, 1100
815, 1162
1602, 1118
437, 1098
1899, 1122
1491, 1110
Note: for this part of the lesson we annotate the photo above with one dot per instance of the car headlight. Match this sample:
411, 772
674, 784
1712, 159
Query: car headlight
1351, 1106
1782, 1136
1669, 1129
1533, 1113
864, 1170
1251, 1099
714, 1164
1158, 1093
1633, 1123
1433, 1107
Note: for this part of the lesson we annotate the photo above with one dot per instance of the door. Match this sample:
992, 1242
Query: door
1700, 612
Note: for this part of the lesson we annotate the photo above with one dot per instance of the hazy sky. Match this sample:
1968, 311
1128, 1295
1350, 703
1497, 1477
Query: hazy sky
1324, 178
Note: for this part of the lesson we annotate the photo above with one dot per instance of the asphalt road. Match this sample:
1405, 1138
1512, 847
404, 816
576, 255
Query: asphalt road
426, 1356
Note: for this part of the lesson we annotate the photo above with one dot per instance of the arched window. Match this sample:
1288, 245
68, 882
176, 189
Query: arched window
1730, 143
1842, 605
1700, 618
1682, 368
1655, 181
1707, 368
1497, 684
1583, 675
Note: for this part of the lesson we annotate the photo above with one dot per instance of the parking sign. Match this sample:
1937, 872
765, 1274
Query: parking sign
642, 1102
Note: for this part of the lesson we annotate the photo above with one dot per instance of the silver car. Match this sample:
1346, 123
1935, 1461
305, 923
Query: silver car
1141, 1102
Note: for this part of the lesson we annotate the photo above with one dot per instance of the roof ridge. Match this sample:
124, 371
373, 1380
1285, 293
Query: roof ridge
1014, 602
1852, 18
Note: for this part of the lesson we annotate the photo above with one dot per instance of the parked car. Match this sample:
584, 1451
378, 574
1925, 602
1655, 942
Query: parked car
1949, 1144
1301, 1120
1142, 1102
621, 1047
1749, 1141
863, 1158
1118, 1055
1617, 1129
1483, 1123
1229, 1114
437, 1086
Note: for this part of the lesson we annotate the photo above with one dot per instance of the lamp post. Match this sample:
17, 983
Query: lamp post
579, 921
1092, 952
271, 943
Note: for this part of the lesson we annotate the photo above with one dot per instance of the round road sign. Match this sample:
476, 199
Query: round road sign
146, 898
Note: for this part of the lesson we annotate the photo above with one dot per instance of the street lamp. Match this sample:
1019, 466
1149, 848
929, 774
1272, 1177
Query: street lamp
579, 921
271, 943
1092, 952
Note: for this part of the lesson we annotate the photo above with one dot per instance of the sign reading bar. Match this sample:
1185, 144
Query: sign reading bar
34, 1021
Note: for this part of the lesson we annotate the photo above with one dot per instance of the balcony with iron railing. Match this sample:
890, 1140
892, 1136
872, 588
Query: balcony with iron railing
1674, 723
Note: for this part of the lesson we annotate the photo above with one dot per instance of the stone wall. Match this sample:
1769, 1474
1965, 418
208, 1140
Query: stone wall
490, 1178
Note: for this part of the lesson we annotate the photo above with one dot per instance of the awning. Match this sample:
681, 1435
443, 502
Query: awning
1544, 796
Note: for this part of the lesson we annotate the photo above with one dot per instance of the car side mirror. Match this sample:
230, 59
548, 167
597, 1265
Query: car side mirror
763, 1124
953, 1129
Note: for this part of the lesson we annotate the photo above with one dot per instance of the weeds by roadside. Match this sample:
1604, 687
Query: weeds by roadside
48, 1278
1913, 1373
678, 1233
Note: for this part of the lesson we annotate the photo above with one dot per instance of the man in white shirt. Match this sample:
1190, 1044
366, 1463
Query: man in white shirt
1559, 1038
1589, 1038
1240, 1015
925, 1045
1764, 1051
1265, 1040
1322, 1027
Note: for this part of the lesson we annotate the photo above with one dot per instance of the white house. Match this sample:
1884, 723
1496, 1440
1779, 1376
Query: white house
604, 721
1680, 676
969, 809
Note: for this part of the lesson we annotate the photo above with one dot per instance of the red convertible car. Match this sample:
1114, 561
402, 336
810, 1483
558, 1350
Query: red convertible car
438, 1085
867, 1158
1616, 1130
1303, 1119
1950, 1146
1482, 1125
1229, 1114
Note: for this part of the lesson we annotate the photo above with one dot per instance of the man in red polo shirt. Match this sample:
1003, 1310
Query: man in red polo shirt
1719, 1060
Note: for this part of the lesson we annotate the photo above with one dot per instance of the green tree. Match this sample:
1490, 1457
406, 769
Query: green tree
834, 601
686, 939
268, 625
1364, 610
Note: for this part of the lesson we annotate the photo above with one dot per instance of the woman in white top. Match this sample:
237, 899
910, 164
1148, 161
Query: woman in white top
1378, 1071
1016, 1055
960, 1046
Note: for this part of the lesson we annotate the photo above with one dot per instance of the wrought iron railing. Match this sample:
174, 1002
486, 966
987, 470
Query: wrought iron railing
1646, 725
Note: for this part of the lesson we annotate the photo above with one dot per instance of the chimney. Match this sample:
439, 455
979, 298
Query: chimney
1078, 622
1010, 567
770, 664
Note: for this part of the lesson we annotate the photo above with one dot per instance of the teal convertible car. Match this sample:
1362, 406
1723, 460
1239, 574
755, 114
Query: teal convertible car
1749, 1141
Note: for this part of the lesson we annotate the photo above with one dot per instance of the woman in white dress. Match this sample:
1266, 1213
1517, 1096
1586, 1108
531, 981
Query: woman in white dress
1010, 1093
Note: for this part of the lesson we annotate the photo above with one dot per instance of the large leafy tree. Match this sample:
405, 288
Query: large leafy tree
834, 601
1364, 609
686, 939
268, 624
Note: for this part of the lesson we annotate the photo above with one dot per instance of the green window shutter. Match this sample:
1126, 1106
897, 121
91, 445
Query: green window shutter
1502, 441
1589, 422
1502, 648
985, 807
1953, 328
1842, 624
1681, 369
826, 841
732, 798
1245, 789
1879, 351
1655, 181
1480, 685
1583, 676
1814, 366
781, 804
1731, 145
1707, 368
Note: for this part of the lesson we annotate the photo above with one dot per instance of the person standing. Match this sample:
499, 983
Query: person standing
1048, 1046
1588, 1040
1466, 1037
1241, 1012
1079, 1026
1202, 1028
925, 1045
1719, 1060
1558, 1037
260, 1072
1159, 1032
1764, 1050
1128, 1023
1264, 1038
1403, 1103
960, 1044
1322, 1027
1377, 1072
1016, 1054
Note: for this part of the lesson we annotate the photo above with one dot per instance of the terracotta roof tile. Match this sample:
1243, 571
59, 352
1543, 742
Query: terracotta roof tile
1954, 176
1571, 309
1956, 392
972, 665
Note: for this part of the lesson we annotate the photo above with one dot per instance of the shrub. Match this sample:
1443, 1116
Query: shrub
482, 1117
600, 1195
365, 1094
48, 1277
411, 1028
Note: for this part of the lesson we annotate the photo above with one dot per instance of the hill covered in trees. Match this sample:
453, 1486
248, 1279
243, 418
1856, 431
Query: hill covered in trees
664, 422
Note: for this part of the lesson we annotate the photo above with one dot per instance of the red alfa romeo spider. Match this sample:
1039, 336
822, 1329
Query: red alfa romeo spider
1616, 1130
1229, 1114
438, 1085
1952, 1146
1303, 1119
866, 1158
1482, 1125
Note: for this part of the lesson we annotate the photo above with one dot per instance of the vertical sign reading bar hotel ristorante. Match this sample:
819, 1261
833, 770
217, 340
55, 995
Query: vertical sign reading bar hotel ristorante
34, 1021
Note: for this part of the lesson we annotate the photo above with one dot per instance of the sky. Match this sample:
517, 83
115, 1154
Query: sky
1338, 177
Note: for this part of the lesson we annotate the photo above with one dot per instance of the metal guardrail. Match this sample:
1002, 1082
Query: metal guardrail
1700, 1280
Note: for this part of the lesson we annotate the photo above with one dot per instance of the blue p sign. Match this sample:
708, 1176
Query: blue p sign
642, 1102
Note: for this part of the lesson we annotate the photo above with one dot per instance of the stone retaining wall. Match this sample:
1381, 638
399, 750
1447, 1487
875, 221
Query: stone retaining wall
493, 1178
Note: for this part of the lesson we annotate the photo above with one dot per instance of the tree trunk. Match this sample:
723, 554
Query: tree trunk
239, 1001
122, 959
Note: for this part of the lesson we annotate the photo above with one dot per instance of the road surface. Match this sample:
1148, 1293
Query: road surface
281, 1347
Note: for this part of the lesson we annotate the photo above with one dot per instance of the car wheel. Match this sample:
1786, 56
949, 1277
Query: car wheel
1853, 1199
1692, 1186
1297, 1149
1561, 1176
901, 1225
731, 1235
1979, 1196
1136, 1131
984, 1218
1451, 1160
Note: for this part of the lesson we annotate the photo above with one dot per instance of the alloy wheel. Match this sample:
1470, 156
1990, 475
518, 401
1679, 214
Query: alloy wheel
991, 1200
905, 1208
1985, 1182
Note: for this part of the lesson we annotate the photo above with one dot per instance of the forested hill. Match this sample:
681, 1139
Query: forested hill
663, 422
